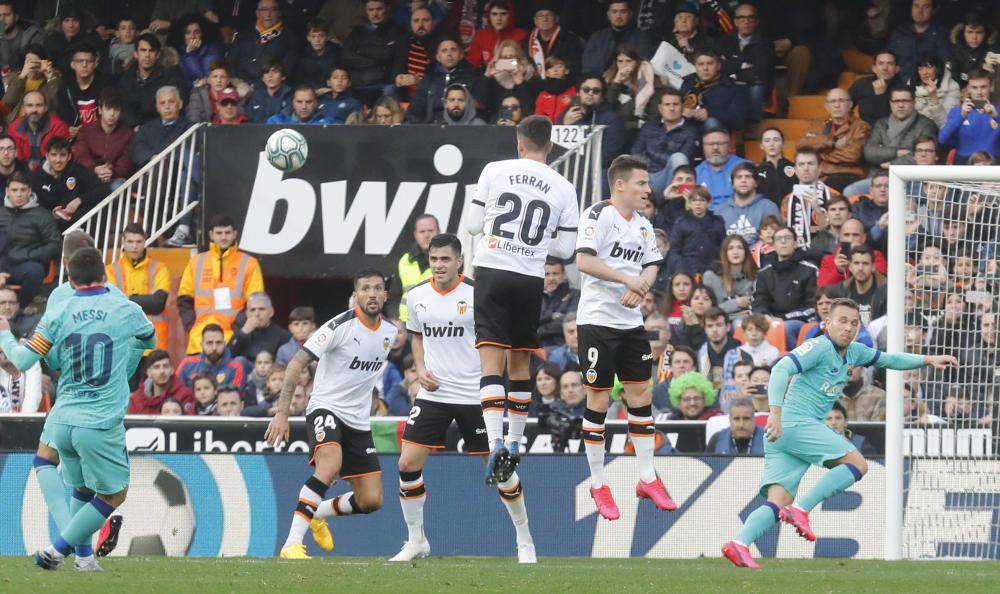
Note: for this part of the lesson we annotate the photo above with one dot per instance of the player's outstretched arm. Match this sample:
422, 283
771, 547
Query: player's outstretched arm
23, 357
903, 361
277, 429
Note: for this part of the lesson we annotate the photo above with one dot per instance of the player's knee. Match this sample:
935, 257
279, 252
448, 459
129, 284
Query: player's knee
407, 464
47, 453
115, 500
861, 466
369, 502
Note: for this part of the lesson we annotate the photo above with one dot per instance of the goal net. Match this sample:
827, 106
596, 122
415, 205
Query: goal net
942, 464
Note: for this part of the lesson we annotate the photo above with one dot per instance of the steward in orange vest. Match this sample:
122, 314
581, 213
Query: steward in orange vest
143, 280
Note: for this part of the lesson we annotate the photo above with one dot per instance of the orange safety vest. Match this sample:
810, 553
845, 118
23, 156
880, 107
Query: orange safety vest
133, 280
239, 272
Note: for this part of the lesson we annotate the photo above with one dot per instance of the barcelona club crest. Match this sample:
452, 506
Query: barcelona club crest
462, 308
385, 344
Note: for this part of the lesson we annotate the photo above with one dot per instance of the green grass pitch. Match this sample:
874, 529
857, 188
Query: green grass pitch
147, 575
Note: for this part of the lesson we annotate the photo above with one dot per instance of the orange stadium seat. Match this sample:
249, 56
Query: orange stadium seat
858, 61
846, 79
807, 107
752, 151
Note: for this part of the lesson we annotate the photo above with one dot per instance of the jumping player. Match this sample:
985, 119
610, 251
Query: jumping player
440, 320
94, 335
618, 258
796, 434
352, 350
527, 211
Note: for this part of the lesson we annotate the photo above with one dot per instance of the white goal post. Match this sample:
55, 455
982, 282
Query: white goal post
962, 180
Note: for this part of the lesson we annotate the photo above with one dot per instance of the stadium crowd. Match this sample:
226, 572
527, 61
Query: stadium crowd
756, 252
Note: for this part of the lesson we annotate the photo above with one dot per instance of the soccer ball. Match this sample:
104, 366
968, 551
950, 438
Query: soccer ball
287, 150
159, 518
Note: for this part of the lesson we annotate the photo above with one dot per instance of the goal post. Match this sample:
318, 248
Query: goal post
957, 184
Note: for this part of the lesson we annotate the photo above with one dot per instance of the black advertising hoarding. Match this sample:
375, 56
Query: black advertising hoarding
354, 201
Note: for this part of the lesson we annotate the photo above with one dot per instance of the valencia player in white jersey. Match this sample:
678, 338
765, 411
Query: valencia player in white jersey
352, 349
618, 258
440, 322
527, 211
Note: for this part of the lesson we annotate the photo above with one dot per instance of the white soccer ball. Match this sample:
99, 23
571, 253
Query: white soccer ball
159, 517
286, 150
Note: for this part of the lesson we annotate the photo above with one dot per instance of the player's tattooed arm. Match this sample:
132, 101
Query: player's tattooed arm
277, 429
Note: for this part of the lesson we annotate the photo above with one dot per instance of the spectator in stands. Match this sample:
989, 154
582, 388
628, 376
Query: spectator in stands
67, 31
9, 162
159, 385
871, 93
599, 51
692, 397
566, 355
658, 332
667, 142
79, 93
369, 49
732, 280
386, 112
632, 87
572, 394
229, 401
513, 74
253, 331
17, 36
973, 126
212, 360
935, 91
697, 235
953, 329
545, 393
319, 55
866, 286
921, 36
836, 419
301, 325
785, 289
840, 142
775, 174
266, 42
144, 280
915, 411
399, 396
141, 82
155, 135
873, 210
804, 208
690, 331
825, 297
835, 267
896, 135
216, 283
267, 397
748, 57
203, 104
271, 96
198, 44
511, 111
720, 352
716, 170
413, 267
37, 74
500, 26
558, 300
972, 42
168, 14
413, 60
679, 295
592, 110
558, 92
104, 148
427, 106
33, 131
686, 34
674, 362
743, 436
228, 108
671, 204
714, 100
304, 109
32, 240
121, 50
203, 386
66, 188
548, 39
337, 101
22, 324
756, 345
745, 209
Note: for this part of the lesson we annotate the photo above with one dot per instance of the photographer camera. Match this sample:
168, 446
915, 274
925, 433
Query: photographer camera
566, 424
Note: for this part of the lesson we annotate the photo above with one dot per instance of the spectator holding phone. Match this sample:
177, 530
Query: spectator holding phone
590, 109
511, 73
37, 74
975, 124
836, 267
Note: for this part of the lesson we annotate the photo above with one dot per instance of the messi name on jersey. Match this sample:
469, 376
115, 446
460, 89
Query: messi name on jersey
89, 314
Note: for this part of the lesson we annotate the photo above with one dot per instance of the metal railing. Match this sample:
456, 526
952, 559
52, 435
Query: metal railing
157, 196
581, 165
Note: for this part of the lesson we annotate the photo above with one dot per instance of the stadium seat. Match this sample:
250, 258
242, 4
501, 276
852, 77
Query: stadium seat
773, 105
858, 61
775, 336
752, 151
846, 79
793, 129
950, 159
807, 107
805, 332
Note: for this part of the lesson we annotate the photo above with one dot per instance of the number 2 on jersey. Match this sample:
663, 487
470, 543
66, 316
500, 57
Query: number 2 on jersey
531, 231
84, 364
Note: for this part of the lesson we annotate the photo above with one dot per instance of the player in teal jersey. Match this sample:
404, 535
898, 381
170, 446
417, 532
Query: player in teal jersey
796, 434
93, 333
47, 458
